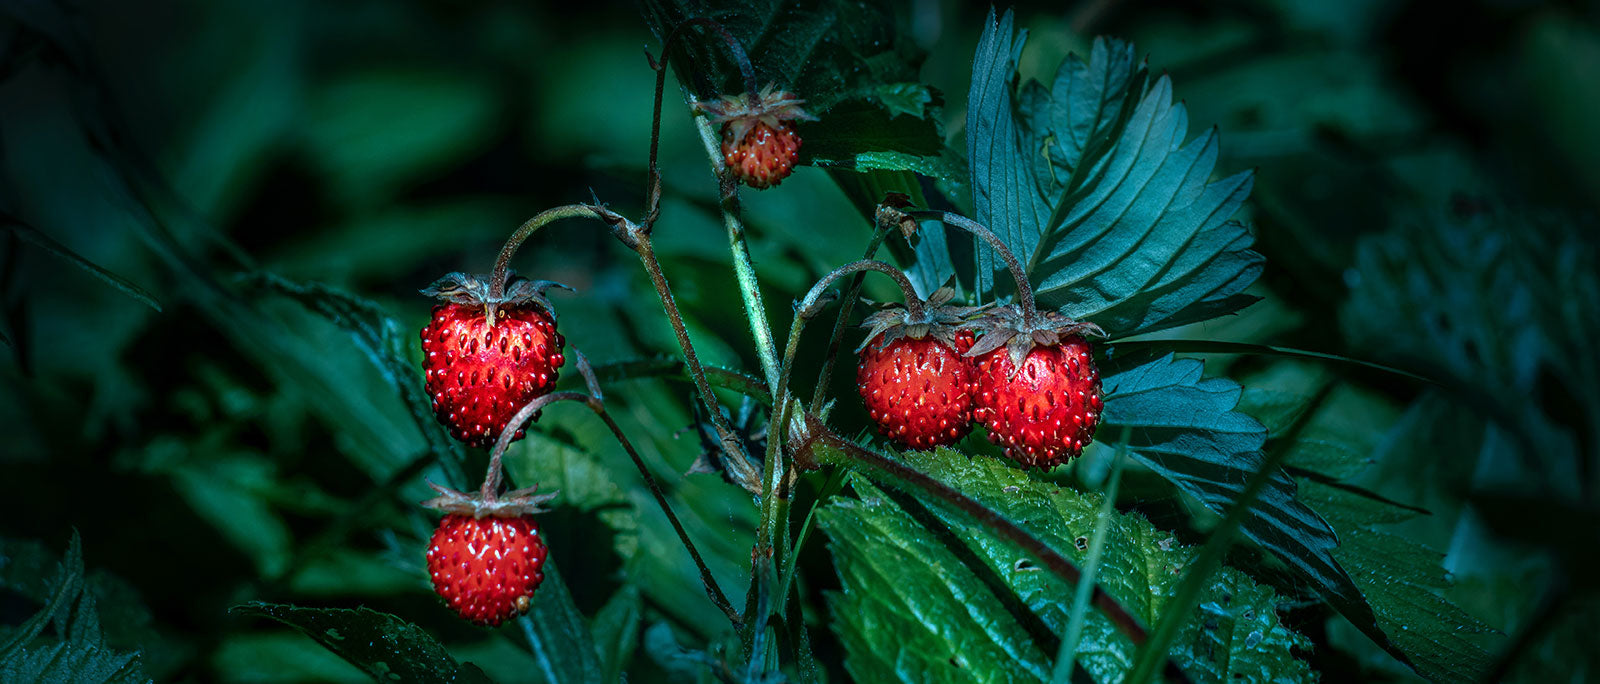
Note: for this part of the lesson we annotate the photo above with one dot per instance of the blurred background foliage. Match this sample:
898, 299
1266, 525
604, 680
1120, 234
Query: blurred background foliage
1424, 197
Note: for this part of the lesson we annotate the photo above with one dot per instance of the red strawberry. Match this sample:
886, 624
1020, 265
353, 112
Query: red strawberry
479, 374
759, 141
487, 568
912, 376
1038, 393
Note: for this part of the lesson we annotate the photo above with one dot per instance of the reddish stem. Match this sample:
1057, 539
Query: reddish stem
1024, 291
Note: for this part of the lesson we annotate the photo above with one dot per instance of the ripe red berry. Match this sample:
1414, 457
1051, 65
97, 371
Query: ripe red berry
764, 156
918, 391
1038, 389
759, 140
487, 568
913, 375
479, 374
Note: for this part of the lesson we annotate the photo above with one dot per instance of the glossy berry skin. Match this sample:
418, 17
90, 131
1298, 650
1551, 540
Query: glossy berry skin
918, 391
479, 375
487, 568
1046, 411
764, 156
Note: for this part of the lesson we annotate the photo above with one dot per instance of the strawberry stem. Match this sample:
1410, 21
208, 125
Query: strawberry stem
497, 282
1030, 314
915, 307
836, 341
593, 400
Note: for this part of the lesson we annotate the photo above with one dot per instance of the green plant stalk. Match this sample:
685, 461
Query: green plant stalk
1091, 568
1181, 606
749, 288
825, 377
735, 460
774, 507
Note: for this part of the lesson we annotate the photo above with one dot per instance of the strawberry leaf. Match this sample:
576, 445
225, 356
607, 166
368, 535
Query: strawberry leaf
1091, 183
378, 335
64, 640
382, 645
913, 601
1187, 429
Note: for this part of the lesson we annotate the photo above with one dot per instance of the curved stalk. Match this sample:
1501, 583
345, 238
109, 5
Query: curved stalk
825, 376
502, 263
491, 483
774, 508
1030, 313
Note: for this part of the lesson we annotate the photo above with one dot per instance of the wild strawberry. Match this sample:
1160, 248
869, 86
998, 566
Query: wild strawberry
478, 372
913, 379
759, 140
1038, 390
486, 557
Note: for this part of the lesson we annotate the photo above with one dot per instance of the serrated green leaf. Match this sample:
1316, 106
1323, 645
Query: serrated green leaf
1092, 185
1399, 578
382, 645
892, 560
76, 648
1186, 429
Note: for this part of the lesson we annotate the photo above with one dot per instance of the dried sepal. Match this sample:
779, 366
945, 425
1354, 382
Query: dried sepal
1005, 327
771, 106
515, 503
473, 290
939, 320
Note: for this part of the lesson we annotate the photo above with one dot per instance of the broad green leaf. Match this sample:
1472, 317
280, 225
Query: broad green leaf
382, 645
616, 632
74, 648
1091, 183
1187, 429
897, 623
848, 60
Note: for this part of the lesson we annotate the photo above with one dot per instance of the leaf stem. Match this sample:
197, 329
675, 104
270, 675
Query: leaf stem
1024, 290
595, 403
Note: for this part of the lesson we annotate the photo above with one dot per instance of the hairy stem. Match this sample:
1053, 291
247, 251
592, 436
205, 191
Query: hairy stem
1024, 290
825, 377
502, 263
735, 459
491, 482
749, 288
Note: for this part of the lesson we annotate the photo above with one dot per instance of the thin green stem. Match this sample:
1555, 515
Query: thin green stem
735, 459
1091, 567
825, 377
743, 269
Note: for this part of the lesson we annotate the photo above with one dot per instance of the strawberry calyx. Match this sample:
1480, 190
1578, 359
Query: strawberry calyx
1009, 327
920, 319
512, 504
742, 112
475, 290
